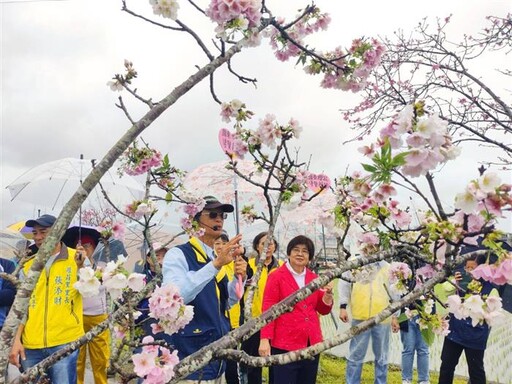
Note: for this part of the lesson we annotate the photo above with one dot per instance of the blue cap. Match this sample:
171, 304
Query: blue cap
43, 221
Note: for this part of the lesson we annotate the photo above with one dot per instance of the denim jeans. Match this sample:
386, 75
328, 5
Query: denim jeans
412, 341
358, 347
62, 372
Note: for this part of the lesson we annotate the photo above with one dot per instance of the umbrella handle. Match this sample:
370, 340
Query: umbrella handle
239, 287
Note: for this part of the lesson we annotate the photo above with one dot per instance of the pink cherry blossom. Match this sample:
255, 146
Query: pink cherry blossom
143, 363
489, 182
415, 157
368, 238
484, 271
503, 273
136, 281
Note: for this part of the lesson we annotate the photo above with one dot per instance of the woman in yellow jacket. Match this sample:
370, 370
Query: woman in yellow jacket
270, 263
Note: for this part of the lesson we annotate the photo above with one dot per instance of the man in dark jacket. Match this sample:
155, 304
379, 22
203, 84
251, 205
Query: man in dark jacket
201, 277
465, 337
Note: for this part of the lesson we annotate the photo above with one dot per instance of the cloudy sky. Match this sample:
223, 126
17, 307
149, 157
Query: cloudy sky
57, 57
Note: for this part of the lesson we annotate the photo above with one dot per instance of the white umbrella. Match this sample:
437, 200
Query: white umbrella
215, 179
11, 241
53, 183
308, 212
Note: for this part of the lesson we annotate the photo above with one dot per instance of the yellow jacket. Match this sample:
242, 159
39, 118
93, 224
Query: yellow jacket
367, 299
260, 289
234, 311
55, 307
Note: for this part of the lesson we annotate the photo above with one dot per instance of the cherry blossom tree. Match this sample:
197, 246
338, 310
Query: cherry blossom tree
460, 81
416, 138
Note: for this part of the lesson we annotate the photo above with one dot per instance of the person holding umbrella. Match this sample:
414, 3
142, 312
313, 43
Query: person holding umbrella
198, 273
54, 316
94, 309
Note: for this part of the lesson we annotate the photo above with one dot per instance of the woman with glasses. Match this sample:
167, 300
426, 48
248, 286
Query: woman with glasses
270, 263
299, 328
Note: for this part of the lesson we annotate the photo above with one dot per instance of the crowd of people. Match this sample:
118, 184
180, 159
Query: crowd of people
213, 274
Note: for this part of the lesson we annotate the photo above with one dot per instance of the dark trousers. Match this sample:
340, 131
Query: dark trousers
450, 358
250, 346
297, 372
232, 372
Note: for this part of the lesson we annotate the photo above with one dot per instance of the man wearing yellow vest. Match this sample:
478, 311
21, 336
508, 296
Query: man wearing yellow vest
367, 297
199, 274
55, 309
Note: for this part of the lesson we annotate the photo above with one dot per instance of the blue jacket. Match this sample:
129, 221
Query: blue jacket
210, 320
7, 290
462, 331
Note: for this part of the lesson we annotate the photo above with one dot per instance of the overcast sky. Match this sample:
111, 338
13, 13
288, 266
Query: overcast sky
57, 57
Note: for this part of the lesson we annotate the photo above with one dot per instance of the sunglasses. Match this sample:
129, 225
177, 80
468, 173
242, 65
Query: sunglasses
213, 215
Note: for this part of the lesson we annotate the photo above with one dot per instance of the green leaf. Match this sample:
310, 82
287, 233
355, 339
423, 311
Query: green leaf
369, 168
428, 336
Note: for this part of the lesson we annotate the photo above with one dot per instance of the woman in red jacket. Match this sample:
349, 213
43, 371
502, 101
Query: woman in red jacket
299, 328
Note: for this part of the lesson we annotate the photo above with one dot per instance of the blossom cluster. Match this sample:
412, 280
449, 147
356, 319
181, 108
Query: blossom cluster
399, 275
309, 22
114, 277
424, 140
268, 132
235, 109
486, 194
140, 208
118, 81
165, 8
476, 307
167, 306
155, 363
193, 206
242, 13
349, 71
369, 206
427, 320
108, 228
137, 161
499, 273
234, 16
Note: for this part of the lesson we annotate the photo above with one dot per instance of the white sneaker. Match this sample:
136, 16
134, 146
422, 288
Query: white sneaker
424, 382
406, 382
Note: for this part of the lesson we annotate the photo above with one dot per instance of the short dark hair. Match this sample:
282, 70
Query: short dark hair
301, 240
224, 237
257, 239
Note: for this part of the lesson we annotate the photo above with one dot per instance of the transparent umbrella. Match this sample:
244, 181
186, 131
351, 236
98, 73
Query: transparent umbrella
308, 212
52, 184
11, 241
215, 179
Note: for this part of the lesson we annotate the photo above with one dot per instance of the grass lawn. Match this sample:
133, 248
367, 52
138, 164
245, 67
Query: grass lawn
332, 371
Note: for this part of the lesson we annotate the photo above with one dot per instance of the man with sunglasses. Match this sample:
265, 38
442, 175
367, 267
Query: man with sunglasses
200, 275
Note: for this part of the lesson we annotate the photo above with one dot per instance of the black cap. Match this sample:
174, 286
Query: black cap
213, 203
43, 221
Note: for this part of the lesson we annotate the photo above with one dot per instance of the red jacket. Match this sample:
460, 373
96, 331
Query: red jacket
292, 330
